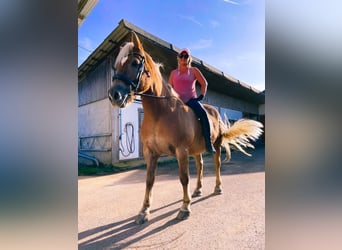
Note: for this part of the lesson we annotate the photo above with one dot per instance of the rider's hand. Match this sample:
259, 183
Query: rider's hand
200, 97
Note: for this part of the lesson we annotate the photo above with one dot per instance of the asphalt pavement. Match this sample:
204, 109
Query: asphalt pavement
107, 206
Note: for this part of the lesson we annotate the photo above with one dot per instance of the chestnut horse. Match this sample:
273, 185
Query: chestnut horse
169, 126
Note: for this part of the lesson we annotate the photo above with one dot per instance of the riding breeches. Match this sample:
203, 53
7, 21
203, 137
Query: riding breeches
200, 112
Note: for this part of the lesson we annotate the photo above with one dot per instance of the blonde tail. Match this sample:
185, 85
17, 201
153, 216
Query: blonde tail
240, 134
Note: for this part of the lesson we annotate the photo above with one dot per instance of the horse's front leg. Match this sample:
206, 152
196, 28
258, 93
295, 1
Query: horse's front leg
199, 167
184, 176
151, 162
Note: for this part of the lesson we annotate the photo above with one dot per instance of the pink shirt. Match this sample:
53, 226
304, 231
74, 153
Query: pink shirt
184, 84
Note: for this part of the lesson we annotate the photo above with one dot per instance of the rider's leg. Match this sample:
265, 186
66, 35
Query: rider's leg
200, 112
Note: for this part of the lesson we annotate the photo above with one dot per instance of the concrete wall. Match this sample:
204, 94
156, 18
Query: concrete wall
231, 114
224, 101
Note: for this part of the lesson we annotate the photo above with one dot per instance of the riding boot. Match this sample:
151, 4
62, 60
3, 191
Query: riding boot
206, 133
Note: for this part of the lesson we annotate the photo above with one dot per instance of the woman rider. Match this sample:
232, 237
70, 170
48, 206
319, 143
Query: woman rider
183, 80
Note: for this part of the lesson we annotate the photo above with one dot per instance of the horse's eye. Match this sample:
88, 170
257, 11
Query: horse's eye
135, 64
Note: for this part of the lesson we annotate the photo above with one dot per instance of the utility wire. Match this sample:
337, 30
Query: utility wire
85, 48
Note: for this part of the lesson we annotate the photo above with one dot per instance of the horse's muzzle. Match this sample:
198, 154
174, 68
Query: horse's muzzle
117, 98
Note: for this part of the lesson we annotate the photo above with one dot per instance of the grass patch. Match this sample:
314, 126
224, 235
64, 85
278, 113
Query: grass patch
86, 170
105, 169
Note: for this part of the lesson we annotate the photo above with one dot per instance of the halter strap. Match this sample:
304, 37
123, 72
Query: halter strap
134, 84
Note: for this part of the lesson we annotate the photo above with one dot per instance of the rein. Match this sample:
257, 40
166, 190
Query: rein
154, 96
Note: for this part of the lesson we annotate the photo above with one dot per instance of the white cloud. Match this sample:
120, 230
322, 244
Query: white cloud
86, 44
202, 44
230, 1
214, 23
247, 67
258, 85
192, 19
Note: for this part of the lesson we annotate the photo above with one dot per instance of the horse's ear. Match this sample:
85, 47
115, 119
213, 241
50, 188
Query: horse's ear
136, 41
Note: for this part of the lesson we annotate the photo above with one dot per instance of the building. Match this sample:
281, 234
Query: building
84, 7
111, 134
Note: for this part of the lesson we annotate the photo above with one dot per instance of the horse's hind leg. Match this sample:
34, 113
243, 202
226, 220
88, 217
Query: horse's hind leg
184, 176
199, 167
217, 162
151, 162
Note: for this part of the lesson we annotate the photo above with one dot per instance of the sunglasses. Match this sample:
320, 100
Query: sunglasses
186, 56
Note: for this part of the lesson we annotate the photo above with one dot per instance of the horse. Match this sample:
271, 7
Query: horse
169, 126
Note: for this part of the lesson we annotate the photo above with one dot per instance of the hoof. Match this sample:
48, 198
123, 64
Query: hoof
197, 193
141, 219
218, 191
183, 215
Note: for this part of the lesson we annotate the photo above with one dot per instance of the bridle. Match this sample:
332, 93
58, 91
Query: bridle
135, 83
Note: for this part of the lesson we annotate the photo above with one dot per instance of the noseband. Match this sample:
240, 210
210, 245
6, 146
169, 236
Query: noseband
134, 84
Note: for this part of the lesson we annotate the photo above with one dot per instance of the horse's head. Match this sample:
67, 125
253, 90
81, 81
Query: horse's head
132, 73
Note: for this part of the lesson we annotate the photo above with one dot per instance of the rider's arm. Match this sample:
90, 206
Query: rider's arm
202, 81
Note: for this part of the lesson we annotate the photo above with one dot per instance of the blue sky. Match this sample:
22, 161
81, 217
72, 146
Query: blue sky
227, 34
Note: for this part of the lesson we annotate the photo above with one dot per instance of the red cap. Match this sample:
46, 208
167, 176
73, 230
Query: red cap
185, 50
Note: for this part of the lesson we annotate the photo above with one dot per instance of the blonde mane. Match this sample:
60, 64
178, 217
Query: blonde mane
155, 75
160, 85
123, 54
